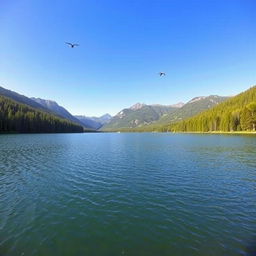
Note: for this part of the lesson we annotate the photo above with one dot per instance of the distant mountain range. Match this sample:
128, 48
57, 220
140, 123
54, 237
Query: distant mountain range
235, 114
21, 99
58, 110
140, 115
192, 107
53, 108
94, 122
19, 113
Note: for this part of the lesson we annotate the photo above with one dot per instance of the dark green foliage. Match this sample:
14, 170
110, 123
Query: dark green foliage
48, 106
21, 118
235, 114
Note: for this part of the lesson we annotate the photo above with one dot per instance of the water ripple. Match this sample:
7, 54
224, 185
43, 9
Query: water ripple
127, 194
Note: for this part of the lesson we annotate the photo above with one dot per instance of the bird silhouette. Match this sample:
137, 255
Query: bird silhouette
72, 45
162, 74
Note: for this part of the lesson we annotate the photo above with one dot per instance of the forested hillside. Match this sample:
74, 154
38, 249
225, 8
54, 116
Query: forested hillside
17, 117
145, 118
58, 110
21, 99
235, 114
191, 108
136, 116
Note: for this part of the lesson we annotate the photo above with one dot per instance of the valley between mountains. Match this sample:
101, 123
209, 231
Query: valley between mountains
202, 114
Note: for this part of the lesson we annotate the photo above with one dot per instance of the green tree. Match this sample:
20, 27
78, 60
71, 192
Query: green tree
252, 108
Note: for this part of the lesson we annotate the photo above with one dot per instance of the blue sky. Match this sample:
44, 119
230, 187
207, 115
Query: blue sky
205, 47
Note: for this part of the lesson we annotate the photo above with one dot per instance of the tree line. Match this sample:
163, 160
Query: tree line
16, 117
235, 114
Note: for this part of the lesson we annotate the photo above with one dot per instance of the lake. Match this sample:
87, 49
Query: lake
127, 194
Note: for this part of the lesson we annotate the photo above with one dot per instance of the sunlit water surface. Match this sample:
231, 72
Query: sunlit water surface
127, 194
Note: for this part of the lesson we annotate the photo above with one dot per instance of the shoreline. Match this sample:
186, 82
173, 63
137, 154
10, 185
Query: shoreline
178, 132
221, 132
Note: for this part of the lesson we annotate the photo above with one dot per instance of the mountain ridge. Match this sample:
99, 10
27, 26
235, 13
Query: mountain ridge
137, 115
193, 107
20, 98
22, 118
57, 109
238, 113
140, 114
93, 121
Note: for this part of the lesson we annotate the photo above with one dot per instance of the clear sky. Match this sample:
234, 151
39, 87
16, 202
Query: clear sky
205, 47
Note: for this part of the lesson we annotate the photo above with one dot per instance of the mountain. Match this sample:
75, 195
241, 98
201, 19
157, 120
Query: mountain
138, 115
58, 110
104, 119
204, 113
22, 118
137, 106
21, 98
235, 114
191, 108
94, 122
45, 105
178, 105
141, 117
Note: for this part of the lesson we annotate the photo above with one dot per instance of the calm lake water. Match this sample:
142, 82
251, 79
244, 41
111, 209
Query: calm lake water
127, 194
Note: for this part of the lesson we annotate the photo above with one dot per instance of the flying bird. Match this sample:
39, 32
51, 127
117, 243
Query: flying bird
162, 74
72, 45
